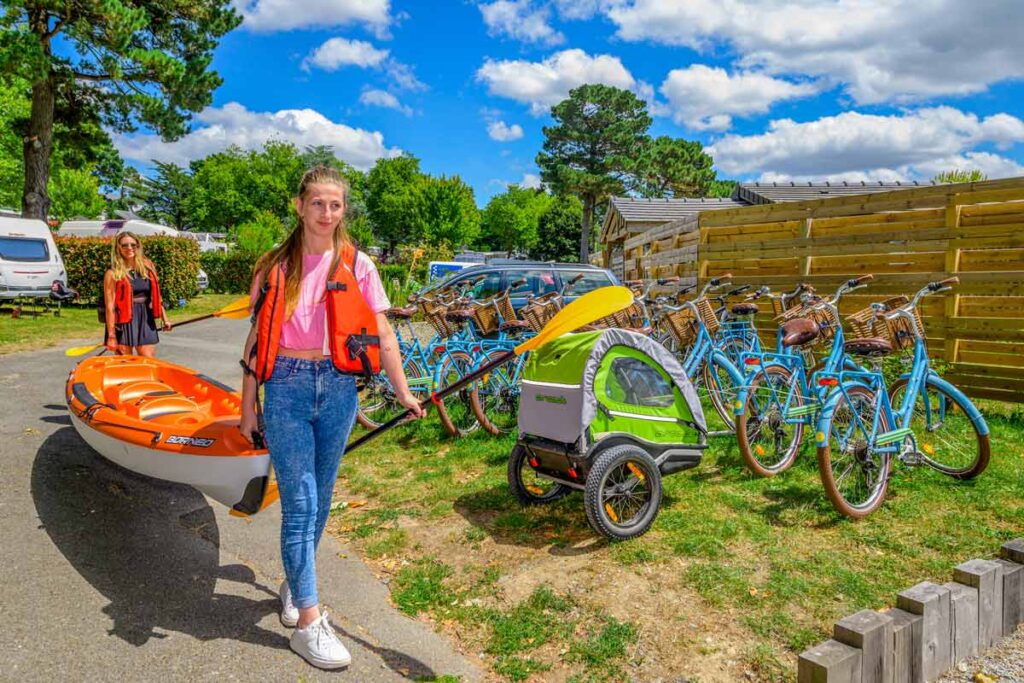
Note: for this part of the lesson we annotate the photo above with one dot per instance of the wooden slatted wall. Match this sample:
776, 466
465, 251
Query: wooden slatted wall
665, 251
905, 238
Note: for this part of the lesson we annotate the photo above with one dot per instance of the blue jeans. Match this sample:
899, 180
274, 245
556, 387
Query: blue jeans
309, 408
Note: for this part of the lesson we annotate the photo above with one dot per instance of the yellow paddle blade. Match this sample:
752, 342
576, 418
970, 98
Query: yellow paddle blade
81, 350
236, 310
588, 308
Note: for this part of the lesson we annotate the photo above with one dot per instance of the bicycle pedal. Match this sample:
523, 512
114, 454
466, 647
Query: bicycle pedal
911, 458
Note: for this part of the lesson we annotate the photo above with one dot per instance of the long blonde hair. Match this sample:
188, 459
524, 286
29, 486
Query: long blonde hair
117, 262
289, 252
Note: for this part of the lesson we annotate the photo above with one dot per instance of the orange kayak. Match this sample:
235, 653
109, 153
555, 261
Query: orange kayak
169, 422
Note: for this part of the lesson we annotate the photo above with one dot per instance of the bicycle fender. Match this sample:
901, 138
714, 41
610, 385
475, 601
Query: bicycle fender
972, 411
737, 378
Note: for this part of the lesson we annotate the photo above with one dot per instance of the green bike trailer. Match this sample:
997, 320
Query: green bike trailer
607, 412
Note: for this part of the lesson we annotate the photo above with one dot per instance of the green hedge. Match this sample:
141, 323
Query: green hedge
86, 259
230, 273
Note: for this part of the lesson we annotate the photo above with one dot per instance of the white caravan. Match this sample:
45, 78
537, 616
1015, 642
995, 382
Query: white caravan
29, 260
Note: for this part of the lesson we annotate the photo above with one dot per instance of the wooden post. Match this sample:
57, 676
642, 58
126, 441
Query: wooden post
987, 577
906, 646
829, 662
805, 262
871, 633
952, 344
964, 612
932, 603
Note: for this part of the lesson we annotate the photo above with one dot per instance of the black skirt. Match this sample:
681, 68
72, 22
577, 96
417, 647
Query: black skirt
141, 330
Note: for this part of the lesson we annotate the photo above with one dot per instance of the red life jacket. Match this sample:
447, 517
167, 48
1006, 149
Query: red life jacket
123, 297
351, 324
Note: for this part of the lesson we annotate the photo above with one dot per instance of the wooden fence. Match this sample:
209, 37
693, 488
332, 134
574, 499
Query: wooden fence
906, 238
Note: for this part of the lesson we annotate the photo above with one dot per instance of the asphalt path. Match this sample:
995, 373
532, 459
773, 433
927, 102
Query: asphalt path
111, 576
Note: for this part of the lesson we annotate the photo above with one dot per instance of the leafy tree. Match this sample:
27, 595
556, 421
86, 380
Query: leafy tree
589, 151
260, 234
218, 201
447, 211
510, 219
957, 175
393, 202
166, 195
557, 230
721, 188
673, 167
75, 194
130, 62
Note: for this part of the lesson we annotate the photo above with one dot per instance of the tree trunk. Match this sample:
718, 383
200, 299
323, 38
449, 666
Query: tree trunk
37, 146
588, 218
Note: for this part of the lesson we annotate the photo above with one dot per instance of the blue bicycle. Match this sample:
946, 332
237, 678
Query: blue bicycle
859, 433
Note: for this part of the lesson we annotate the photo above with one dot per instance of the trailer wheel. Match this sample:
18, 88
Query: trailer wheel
623, 492
526, 486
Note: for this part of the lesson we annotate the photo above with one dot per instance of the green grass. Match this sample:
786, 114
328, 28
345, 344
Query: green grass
771, 556
78, 323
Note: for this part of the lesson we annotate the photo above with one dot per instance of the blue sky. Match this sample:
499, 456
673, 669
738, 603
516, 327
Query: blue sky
776, 89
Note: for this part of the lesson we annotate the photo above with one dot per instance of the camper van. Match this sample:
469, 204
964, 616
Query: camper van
80, 228
139, 227
29, 260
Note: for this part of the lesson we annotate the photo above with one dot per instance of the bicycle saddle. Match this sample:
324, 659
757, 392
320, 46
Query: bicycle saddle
401, 313
799, 331
745, 309
459, 315
868, 346
514, 326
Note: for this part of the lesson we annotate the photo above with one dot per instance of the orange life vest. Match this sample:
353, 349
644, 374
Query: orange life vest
123, 297
351, 324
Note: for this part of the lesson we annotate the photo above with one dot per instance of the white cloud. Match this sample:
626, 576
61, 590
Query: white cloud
706, 98
579, 9
338, 52
233, 124
502, 132
271, 16
517, 19
403, 76
854, 146
544, 84
530, 180
878, 50
382, 98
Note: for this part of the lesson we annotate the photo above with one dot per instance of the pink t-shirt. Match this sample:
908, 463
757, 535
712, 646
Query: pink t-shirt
307, 328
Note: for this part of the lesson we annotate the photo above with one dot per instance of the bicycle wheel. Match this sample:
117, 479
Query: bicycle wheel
854, 474
946, 437
769, 443
526, 485
495, 398
377, 402
456, 410
721, 390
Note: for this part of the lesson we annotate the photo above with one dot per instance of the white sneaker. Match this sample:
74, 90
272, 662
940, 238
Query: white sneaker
289, 612
318, 645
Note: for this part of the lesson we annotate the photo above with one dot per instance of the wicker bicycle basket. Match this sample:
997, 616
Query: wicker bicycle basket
434, 314
683, 326
630, 317
898, 332
485, 313
778, 310
540, 310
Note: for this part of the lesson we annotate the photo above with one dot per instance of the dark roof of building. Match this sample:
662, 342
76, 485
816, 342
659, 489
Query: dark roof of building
664, 210
771, 193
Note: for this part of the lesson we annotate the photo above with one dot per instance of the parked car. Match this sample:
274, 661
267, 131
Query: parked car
29, 260
540, 278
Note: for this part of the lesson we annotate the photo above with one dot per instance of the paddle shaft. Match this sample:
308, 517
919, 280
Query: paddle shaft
447, 391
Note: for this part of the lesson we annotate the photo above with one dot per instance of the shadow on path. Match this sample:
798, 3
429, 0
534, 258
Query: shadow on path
150, 547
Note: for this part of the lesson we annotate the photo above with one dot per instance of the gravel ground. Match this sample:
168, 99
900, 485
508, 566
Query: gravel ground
1003, 663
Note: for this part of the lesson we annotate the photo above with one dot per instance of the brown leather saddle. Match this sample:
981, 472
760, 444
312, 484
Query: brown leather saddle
799, 331
401, 313
868, 346
745, 309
